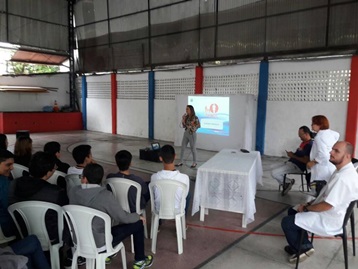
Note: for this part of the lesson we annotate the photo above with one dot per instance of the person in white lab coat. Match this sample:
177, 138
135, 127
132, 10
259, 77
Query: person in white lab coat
321, 168
324, 215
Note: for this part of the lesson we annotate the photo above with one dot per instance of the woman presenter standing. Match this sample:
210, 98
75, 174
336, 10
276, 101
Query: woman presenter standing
191, 123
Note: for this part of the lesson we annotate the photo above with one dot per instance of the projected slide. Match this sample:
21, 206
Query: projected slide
213, 113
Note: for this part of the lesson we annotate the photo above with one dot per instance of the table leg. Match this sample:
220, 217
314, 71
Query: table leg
243, 221
202, 213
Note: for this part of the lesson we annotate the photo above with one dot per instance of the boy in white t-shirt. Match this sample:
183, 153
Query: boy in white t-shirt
167, 157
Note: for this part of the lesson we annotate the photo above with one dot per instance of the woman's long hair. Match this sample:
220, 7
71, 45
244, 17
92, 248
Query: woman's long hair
23, 146
192, 111
3, 140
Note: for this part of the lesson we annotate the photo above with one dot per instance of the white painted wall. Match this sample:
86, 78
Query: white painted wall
165, 120
285, 117
132, 117
35, 101
99, 117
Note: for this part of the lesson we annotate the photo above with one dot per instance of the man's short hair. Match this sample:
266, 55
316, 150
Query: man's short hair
94, 173
167, 152
306, 130
41, 163
52, 147
349, 148
5, 154
80, 153
123, 159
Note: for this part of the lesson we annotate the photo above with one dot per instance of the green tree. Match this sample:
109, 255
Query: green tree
26, 68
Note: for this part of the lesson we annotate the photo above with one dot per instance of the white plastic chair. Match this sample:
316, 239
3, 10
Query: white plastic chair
4, 239
54, 177
167, 190
72, 180
18, 170
120, 188
80, 218
33, 213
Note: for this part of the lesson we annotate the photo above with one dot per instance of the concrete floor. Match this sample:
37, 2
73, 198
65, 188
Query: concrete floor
261, 248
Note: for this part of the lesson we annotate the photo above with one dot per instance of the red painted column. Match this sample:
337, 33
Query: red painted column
199, 78
114, 102
352, 112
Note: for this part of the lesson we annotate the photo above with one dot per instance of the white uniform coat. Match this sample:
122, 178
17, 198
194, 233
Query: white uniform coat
341, 189
321, 147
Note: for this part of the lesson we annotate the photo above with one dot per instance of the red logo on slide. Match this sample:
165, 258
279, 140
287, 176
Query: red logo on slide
211, 110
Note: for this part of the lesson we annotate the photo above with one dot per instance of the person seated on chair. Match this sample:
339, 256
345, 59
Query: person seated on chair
54, 148
82, 155
6, 165
24, 254
36, 188
324, 215
297, 161
167, 157
123, 161
93, 195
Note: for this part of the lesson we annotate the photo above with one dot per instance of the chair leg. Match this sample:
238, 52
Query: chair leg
302, 185
283, 183
155, 225
353, 233
178, 225
145, 224
124, 259
132, 243
183, 226
345, 247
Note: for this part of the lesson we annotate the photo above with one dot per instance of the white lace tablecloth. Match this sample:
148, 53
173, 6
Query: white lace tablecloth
227, 182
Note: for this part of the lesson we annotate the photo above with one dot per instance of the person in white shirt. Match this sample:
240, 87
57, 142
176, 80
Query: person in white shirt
324, 215
167, 157
319, 165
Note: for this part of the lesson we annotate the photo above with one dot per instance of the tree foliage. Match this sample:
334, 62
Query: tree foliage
19, 68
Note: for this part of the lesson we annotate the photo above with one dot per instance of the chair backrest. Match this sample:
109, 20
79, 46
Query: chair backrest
80, 218
18, 170
53, 179
72, 180
33, 214
5, 239
120, 188
349, 212
166, 191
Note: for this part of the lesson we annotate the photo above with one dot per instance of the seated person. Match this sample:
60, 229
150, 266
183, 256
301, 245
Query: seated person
6, 165
35, 187
26, 253
23, 150
167, 157
324, 215
297, 161
54, 148
93, 195
82, 155
123, 160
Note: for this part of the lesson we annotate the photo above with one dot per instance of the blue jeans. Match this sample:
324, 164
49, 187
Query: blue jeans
122, 231
293, 232
31, 248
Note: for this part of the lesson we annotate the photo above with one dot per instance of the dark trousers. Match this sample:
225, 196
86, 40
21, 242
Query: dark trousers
293, 232
31, 248
120, 232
